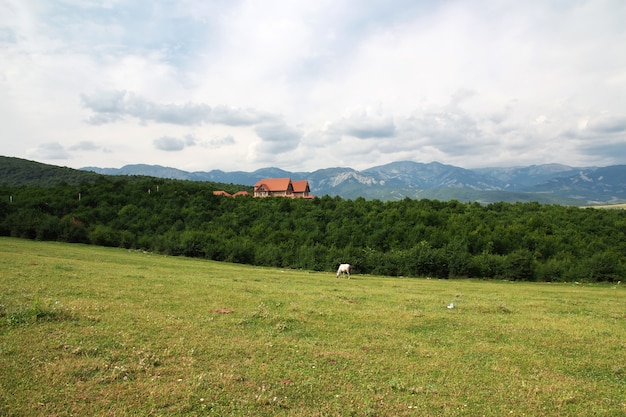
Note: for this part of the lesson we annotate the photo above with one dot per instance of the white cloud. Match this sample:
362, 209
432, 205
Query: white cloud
85, 145
49, 151
365, 125
218, 142
608, 125
113, 106
167, 143
278, 138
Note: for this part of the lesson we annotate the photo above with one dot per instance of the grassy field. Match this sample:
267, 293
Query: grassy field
613, 206
87, 330
621, 206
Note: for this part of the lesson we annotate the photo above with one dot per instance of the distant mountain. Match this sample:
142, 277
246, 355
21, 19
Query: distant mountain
433, 175
157, 171
598, 185
235, 177
246, 178
550, 183
434, 180
521, 178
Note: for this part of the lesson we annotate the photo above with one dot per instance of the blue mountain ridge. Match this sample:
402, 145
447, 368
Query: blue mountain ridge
549, 183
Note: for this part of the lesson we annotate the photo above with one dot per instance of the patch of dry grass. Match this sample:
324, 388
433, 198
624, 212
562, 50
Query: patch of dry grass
621, 206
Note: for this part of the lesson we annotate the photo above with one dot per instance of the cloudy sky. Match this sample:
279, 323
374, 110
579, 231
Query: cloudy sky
304, 85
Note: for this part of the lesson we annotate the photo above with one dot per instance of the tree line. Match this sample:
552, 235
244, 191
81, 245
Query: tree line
416, 238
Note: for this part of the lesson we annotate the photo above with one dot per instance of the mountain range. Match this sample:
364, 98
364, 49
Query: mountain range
550, 183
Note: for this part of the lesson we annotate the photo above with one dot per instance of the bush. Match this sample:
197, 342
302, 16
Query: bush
104, 236
519, 266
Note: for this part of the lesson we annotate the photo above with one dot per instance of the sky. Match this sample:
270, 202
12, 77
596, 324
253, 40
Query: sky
239, 85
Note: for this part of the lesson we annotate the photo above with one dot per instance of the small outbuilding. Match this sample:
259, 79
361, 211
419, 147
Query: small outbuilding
222, 193
301, 189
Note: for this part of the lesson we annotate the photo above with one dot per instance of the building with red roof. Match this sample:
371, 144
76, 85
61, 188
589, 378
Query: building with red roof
301, 189
282, 187
221, 192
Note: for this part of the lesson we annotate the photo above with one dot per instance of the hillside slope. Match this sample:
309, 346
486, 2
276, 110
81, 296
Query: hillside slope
22, 172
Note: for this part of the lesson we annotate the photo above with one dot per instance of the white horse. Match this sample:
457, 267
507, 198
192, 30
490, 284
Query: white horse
344, 269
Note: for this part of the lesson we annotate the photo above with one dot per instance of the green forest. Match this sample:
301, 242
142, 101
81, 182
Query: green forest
412, 238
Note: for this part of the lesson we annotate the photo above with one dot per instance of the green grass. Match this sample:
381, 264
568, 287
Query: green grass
86, 330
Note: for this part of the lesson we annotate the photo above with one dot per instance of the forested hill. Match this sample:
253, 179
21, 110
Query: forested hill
522, 241
16, 172
22, 172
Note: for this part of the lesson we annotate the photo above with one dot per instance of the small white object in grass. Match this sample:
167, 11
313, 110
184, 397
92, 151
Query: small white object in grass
451, 305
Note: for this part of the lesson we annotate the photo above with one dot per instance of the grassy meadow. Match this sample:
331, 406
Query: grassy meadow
611, 206
88, 330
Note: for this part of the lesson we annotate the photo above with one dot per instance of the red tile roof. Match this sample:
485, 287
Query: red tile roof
273, 184
301, 186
